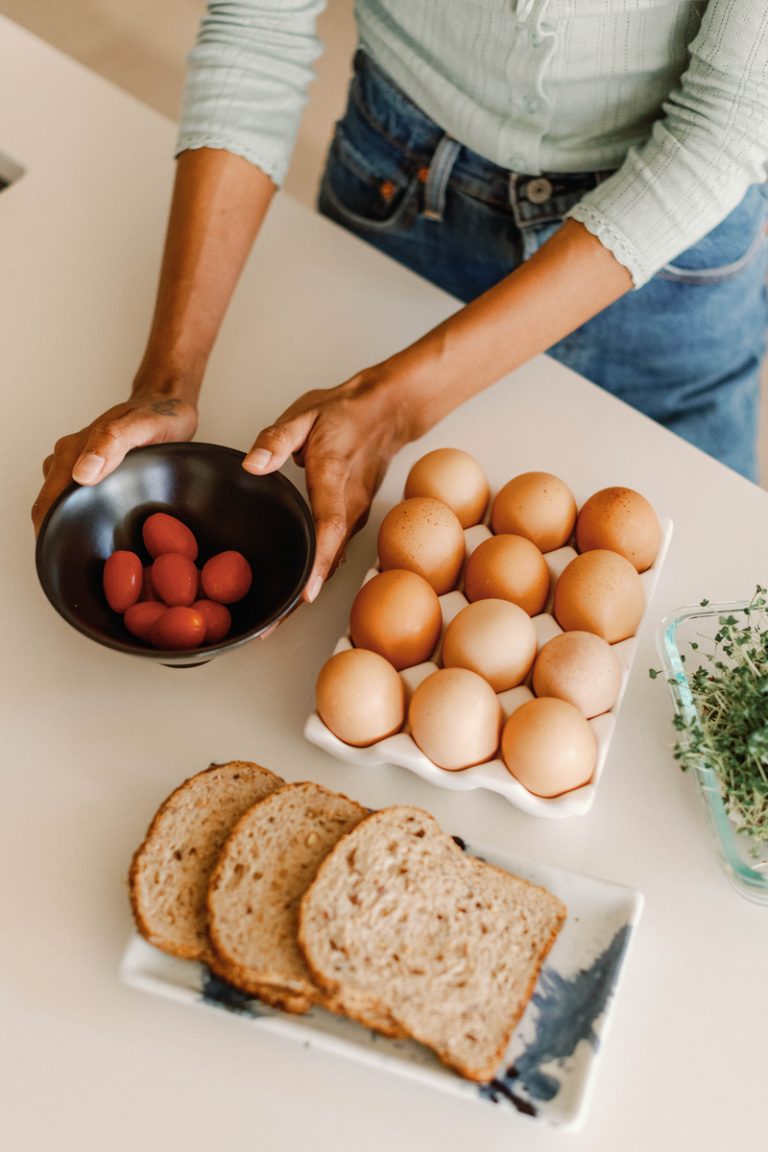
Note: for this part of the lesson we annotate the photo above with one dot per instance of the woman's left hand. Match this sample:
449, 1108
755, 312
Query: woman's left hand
344, 438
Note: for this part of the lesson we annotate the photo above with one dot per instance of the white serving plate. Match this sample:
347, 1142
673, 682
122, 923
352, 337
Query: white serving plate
493, 775
549, 1067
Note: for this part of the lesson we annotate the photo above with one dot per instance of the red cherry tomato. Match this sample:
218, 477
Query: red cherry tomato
218, 620
174, 579
147, 588
178, 627
226, 577
122, 580
163, 533
140, 618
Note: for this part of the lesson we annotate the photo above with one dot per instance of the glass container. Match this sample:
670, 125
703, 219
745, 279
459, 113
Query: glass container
685, 638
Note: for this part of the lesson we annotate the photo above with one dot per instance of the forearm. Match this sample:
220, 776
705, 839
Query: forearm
568, 281
345, 436
219, 202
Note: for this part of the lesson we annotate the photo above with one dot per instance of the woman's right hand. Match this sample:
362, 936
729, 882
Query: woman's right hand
92, 453
219, 201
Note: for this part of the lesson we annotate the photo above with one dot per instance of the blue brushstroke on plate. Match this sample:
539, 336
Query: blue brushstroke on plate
568, 1009
223, 995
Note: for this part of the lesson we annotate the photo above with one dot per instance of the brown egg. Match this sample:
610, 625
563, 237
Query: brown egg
623, 521
549, 747
494, 638
508, 567
579, 667
455, 718
360, 697
600, 592
536, 505
424, 536
397, 614
455, 478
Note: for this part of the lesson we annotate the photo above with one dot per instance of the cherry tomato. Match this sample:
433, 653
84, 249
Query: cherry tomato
147, 588
122, 580
163, 533
140, 618
174, 579
178, 627
218, 620
226, 577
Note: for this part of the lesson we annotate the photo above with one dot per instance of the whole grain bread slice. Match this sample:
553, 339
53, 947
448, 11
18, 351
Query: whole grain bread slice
264, 869
449, 946
169, 874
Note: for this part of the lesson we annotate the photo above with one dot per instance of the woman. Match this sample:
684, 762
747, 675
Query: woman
588, 174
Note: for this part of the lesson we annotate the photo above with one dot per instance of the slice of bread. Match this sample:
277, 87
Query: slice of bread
262, 872
170, 870
265, 867
449, 946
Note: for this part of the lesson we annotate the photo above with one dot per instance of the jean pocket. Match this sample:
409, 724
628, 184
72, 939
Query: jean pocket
728, 249
366, 195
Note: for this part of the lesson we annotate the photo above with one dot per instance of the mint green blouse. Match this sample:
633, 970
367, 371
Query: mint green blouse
673, 94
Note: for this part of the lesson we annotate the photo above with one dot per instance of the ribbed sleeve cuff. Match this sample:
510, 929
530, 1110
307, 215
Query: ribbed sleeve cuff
272, 166
612, 239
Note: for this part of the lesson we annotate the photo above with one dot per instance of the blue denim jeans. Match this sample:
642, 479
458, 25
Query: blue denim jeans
685, 349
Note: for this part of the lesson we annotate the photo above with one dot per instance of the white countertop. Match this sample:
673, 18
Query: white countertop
93, 741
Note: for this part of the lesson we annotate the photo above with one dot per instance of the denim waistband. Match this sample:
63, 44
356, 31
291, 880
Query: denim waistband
533, 199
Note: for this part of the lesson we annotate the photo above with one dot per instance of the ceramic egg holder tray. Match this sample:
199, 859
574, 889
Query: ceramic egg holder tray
493, 775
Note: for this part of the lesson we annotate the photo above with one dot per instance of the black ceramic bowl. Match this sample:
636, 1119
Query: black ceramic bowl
205, 486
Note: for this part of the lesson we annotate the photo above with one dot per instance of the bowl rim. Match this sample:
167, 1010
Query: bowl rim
208, 651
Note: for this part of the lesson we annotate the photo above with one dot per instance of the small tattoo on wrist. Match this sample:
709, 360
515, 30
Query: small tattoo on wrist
166, 407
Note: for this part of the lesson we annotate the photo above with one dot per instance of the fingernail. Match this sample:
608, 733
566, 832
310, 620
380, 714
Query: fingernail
88, 468
258, 460
313, 588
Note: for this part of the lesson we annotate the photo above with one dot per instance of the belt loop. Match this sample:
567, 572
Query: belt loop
514, 199
513, 178
438, 175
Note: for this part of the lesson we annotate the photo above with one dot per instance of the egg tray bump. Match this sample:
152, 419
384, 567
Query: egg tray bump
493, 775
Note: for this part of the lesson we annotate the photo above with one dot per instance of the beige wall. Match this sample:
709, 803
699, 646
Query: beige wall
141, 46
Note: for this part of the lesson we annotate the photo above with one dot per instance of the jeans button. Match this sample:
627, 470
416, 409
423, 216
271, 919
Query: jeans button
539, 190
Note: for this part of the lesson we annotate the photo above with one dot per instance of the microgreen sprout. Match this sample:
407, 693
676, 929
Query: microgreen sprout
729, 731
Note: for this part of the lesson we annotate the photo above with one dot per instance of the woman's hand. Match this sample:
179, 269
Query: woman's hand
92, 453
219, 202
344, 438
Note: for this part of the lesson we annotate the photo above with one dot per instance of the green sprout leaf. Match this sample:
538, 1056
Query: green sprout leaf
728, 733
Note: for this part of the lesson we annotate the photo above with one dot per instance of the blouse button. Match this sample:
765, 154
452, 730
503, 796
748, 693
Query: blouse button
530, 104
